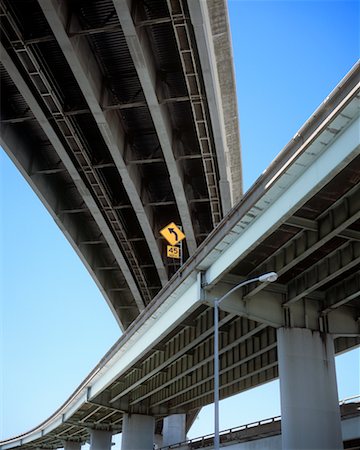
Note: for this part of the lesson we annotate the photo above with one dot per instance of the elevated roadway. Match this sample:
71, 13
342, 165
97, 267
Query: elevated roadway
122, 117
266, 434
300, 219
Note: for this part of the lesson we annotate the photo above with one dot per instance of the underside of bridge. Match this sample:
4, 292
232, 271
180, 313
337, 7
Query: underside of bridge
302, 220
106, 112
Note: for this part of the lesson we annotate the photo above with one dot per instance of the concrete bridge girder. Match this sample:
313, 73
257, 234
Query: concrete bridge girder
269, 308
90, 80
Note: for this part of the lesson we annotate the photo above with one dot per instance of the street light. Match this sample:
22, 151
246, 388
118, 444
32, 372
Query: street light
265, 278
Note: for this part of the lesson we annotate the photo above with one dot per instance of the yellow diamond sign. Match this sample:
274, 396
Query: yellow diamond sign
172, 234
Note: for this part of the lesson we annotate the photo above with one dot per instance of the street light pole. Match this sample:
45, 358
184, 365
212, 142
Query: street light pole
265, 278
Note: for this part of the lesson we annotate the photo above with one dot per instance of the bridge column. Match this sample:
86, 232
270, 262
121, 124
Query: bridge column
158, 440
100, 440
310, 413
137, 432
72, 445
174, 429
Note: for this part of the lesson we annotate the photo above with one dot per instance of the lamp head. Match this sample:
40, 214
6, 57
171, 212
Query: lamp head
268, 277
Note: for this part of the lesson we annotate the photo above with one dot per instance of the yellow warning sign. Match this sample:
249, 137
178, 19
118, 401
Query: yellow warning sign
173, 252
172, 234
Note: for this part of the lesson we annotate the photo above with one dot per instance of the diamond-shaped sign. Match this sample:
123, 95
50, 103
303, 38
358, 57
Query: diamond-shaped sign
172, 234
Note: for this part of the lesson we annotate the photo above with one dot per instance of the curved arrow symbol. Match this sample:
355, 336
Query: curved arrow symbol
171, 230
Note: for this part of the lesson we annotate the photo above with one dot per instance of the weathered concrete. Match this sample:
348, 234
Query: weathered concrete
174, 429
100, 440
71, 445
309, 399
138, 432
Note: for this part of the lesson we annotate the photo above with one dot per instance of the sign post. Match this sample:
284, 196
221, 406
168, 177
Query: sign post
174, 236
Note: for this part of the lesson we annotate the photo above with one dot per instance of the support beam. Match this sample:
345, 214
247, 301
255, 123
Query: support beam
137, 432
333, 222
280, 203
309, 399
144, 65
215, 55
88, 75
344, 292
100, 440
327, 269
89, 200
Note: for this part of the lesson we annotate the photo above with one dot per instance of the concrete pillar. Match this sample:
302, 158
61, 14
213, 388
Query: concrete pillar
100, 440
174, 429
310, 413
72, 445
137, 432
158, 441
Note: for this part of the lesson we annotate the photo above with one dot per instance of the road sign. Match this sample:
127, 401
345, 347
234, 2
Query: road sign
172, 234
173, 252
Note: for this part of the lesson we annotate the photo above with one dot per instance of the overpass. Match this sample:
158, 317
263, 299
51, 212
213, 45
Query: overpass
122, 117
300, 219
267, 433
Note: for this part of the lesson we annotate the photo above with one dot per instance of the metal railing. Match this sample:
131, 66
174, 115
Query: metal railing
235, 433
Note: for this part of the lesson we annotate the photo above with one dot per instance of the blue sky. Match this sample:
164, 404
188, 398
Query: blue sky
288, 56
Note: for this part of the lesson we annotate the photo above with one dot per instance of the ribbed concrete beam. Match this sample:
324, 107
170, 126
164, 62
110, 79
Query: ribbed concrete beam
193, 365
327, 269
71, 445
33, 104
140, 51
344, 292
90, 80
332, 222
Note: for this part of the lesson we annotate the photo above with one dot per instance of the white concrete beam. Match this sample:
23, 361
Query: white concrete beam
337, 155
160, 321
199, 14
143, 60
267, 307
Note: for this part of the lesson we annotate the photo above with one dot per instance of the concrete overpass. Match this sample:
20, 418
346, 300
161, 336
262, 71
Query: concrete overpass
301, 219
266, 433
122, 117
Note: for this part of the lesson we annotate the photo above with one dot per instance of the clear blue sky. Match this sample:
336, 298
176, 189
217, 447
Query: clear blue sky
288, 56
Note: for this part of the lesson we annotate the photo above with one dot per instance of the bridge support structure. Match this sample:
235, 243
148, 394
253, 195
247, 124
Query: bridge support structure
174, 429
137, 432
308, 389
72, 445
100, 440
